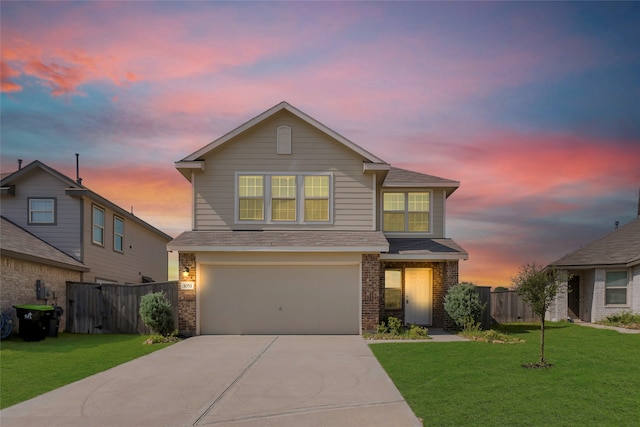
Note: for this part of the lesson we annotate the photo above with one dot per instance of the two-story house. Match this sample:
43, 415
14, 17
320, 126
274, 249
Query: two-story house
297, 230
57, 230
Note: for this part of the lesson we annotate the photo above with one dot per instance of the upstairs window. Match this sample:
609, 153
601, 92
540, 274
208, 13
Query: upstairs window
118, 234
98, 226
250, 197
616, 287
316, 198
274, 198
283, 198
406, 212
42, 211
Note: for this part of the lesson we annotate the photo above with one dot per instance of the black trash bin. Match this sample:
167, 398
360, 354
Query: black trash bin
54, 322
33, 321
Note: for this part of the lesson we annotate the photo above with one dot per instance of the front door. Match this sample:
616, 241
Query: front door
573, 297
417, 300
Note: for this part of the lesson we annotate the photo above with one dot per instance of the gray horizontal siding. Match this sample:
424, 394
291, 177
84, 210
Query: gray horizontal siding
255, 151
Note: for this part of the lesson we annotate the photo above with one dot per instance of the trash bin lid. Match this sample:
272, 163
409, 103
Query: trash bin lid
35, 307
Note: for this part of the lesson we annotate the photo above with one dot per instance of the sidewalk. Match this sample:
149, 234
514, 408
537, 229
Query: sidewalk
613, 328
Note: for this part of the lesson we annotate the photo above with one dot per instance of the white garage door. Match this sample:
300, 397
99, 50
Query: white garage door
285, 299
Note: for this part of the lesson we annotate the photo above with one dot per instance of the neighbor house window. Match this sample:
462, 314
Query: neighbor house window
42, 211
118, 234
283, 198
316, 198
406, 212
274, 198
251, 197
616, 287
392, 289
98, 225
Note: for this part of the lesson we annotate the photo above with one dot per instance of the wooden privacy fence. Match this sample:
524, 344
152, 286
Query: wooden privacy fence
507, 306
113, 308
484, 292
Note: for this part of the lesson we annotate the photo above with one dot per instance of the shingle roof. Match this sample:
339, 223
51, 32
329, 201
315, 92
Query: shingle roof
621, 247
19, 243
287, 241
425, 248
398, 177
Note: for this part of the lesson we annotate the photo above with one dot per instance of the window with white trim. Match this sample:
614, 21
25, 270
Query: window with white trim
283, 198
615, 287
42, 211
406, 211
118, 234
251, 198
392, 289
316, 198
97, 220
276, 198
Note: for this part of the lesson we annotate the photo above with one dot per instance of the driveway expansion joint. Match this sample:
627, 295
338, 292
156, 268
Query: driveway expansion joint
218, 399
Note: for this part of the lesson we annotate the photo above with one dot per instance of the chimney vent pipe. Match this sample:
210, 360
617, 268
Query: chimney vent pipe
78, 179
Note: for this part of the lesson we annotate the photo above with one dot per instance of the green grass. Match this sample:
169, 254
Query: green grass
595, 380
28, 369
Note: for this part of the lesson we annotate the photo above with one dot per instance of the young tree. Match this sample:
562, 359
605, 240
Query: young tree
538, 286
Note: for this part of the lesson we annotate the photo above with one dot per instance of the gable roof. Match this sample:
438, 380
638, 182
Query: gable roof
74, 189
187, 163
619, 248
398, 177
17, 242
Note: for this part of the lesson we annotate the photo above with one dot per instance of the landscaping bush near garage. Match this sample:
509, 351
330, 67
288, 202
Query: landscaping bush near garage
392, 329
594, 381
28, 369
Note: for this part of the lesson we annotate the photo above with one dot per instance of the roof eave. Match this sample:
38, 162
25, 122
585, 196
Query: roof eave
187, 167
323, 249
42, 260
426, 257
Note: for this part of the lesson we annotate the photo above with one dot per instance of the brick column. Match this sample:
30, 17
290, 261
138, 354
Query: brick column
370, 291
187, 298
450, 279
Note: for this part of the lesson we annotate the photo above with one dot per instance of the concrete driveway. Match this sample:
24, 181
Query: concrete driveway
230, 381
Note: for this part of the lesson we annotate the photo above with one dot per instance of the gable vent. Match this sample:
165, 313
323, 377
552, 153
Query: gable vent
283, 140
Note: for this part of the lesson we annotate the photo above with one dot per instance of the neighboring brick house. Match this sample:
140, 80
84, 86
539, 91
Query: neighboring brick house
297, 230
605, 277
74, 234
27, 260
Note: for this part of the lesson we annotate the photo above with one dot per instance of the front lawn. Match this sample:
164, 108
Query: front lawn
28, 369
595, 380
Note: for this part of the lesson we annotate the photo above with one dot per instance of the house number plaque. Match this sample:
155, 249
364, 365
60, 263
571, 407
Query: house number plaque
186, 286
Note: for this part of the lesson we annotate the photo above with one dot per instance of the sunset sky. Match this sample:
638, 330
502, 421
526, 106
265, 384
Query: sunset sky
533, 107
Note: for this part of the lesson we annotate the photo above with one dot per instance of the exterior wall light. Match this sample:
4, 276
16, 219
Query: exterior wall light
185, 272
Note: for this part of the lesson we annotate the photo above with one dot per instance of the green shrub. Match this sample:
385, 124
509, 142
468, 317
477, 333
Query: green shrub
156, 313
625, 319
416, 331
462, 303
395, 325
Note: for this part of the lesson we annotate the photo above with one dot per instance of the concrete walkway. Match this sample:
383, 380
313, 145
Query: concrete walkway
239, 381
613, 328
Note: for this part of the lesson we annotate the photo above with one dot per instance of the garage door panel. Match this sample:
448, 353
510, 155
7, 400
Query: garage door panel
253, 299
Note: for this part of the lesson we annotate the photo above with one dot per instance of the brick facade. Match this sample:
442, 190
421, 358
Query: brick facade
371, 291
445, 275
18, 285
187, 298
